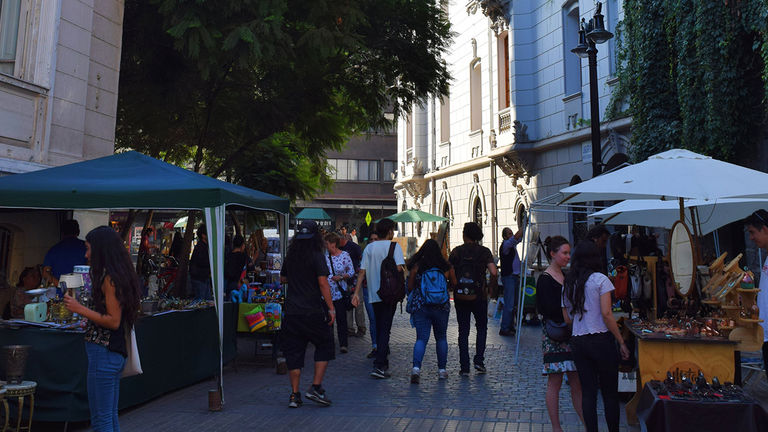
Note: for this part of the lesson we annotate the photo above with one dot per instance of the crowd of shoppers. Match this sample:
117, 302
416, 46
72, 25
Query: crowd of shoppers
579, 300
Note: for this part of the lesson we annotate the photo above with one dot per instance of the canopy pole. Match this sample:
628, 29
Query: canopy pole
214, 220
521, 283
682, 209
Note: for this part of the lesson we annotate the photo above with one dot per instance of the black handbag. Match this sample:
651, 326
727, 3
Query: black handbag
346, 296
558, 332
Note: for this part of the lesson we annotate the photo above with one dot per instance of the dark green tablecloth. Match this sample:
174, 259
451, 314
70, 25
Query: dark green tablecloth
177, 349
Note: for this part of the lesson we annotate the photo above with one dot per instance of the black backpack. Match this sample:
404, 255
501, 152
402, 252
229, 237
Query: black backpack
470, 282
391, 282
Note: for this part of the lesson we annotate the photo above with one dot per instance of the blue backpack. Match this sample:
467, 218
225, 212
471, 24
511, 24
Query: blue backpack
434, 287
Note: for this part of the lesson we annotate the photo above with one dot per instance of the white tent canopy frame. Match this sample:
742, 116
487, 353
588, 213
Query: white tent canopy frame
548, 204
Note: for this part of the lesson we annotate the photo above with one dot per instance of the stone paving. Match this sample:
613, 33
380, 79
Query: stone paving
509, 398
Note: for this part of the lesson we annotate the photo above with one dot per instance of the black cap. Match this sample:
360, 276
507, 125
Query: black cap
307, 230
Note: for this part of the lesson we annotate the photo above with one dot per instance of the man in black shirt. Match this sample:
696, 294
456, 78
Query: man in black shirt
478, 258
200, 267
309, 312
234, 263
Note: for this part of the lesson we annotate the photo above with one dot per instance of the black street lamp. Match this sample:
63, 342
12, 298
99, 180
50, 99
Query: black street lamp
590, 34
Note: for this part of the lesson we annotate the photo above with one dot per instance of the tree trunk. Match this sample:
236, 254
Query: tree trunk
238, 230
183, 271
125, 231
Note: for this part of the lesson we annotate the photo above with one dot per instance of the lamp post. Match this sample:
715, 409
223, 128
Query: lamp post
590, 34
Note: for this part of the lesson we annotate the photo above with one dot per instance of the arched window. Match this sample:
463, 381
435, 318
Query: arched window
520, 217
446, 211
477, 212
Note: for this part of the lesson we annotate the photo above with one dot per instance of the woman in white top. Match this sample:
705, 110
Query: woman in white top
587, 305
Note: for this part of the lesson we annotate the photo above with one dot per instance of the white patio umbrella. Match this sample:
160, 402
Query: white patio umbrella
656, 213
671, 175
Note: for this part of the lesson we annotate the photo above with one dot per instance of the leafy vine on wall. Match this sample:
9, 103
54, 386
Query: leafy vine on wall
694, 74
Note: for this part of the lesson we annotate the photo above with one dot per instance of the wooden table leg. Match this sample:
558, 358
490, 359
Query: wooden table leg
31, 411
21, 407
7, 414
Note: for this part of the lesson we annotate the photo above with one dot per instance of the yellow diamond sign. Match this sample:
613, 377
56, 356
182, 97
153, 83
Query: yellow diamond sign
368, 219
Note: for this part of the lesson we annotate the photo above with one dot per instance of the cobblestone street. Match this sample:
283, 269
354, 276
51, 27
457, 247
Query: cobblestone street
508, 398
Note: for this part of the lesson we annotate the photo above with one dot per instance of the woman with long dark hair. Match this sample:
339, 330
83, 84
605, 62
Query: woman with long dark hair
426, 317
587, 305
116, 297
558, 357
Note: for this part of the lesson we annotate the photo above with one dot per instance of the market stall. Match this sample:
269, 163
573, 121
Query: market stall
131, 180
696, 339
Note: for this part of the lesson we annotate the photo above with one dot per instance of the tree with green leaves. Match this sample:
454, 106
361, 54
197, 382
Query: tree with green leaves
258, 90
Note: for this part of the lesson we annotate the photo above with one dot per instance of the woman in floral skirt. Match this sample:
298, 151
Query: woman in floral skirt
558, 358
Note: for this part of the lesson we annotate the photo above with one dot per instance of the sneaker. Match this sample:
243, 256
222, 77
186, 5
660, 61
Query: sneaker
344, 350
361, 332
510, 332
415, 378
381, 374
317, 394
479, 368
442, 374
372, 354
351, 332
295, 400
464, 372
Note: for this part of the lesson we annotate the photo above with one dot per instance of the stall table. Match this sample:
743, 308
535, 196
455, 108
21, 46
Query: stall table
177, 348
660, 414
657, 354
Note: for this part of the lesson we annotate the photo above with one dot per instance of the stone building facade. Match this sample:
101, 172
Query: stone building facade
59, 68
515, 127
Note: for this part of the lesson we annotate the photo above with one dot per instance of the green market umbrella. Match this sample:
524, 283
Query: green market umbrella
415, 216
316, 214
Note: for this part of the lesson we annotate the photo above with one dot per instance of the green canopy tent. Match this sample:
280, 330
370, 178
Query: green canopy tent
315, 214
132, 180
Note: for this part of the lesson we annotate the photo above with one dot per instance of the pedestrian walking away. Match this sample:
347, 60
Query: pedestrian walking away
355, 316
510, 279
558, 358
470, 262
116, 298
341, 270
587, 306
429, 304
374, 255
309, 312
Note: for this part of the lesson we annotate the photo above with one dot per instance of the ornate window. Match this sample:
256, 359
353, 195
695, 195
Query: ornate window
477, 212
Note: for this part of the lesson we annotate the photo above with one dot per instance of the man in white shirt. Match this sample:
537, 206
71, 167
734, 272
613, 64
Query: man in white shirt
757, 227
370, 266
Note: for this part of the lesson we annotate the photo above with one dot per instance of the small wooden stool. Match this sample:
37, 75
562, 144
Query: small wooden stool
21, 391
5, 405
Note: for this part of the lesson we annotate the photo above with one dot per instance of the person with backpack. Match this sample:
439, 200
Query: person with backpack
382, 268
510, 279
429, 304
470, 261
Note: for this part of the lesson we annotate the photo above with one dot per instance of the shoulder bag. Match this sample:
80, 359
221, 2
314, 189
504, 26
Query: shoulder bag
132, 361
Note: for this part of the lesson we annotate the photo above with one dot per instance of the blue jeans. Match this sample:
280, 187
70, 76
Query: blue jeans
511, 295
104, 369
371, 317
464, 309
436, 319
203, 289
